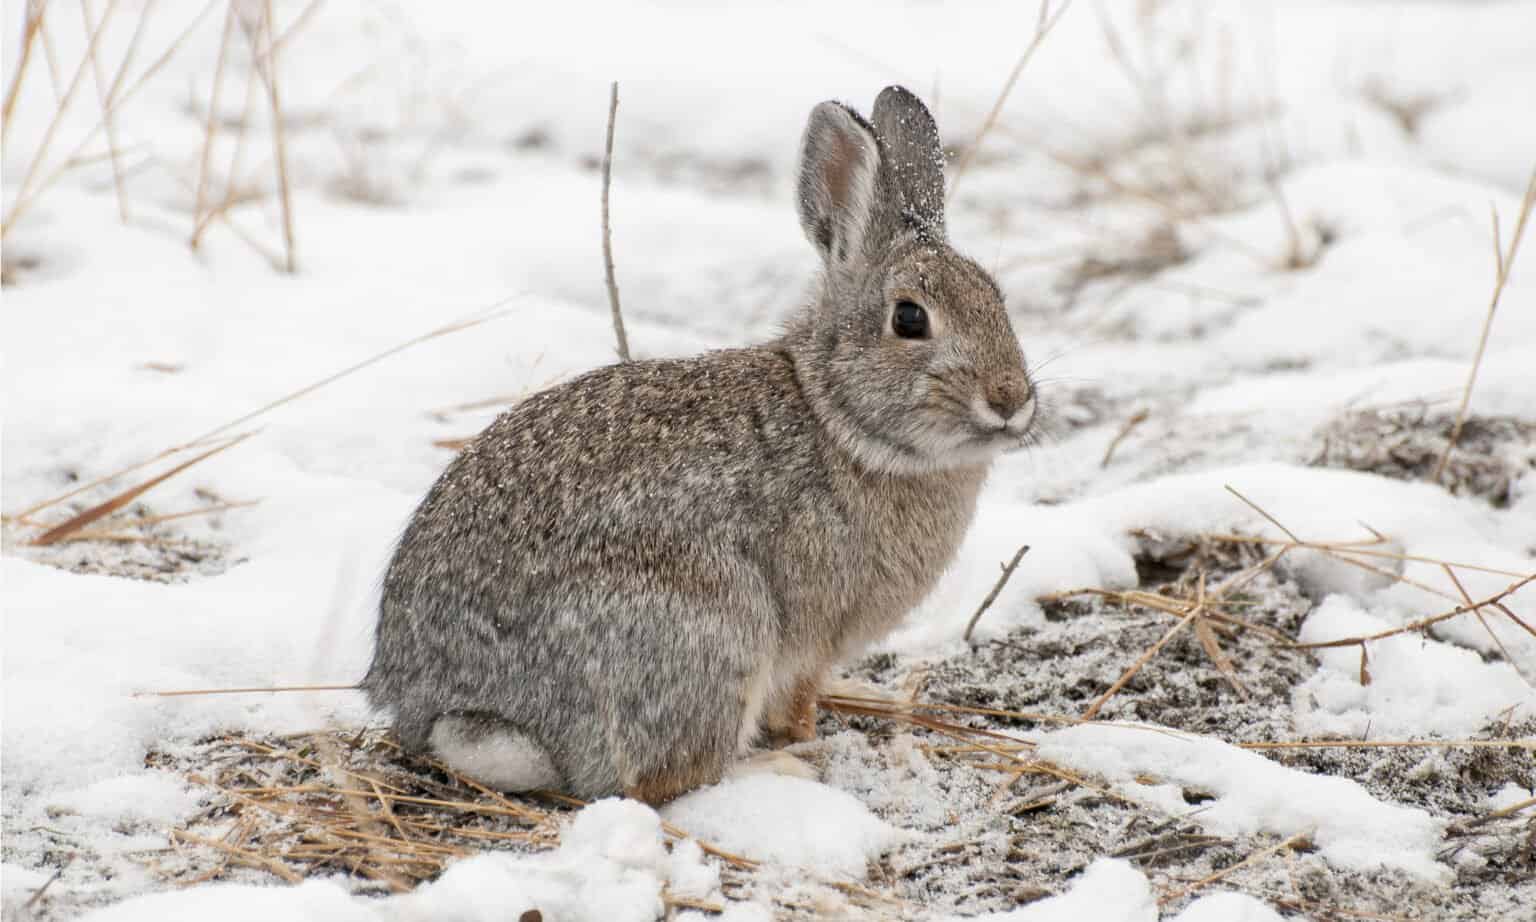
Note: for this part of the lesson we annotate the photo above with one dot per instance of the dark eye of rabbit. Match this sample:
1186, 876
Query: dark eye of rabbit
909, 321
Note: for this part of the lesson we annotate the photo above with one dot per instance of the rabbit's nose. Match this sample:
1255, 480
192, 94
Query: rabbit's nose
1006, 394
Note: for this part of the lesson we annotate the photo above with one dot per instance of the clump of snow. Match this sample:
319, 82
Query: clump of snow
1252, 794
612, 866
1110, 890
787, 821
1509, 795
1227, 907
1417, 685
153, 799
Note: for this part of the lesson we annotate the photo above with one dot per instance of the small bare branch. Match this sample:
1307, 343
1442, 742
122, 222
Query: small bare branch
997, 587
613, 287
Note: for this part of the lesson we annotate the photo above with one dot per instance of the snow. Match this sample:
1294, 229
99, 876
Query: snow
1110, 889
1251, 794
446, 174
611, 866
1416, 685
786, 820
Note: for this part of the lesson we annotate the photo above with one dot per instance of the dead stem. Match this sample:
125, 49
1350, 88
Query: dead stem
1043, 26
997, 587
613, 287
1503, 262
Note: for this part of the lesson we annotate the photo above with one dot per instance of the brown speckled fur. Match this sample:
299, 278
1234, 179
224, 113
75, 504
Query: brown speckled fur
638, 568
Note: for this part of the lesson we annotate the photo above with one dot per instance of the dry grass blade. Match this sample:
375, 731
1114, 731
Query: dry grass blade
1260, 510
266, 65
1421, 623
41, 154
1355, 549
195, 692
1254, 858
107, 116
1043, 27
1499, 814
210, 126
613, 287
1393, 744
29, 32
1487, 628
28, 193
997, 587
495, 314
79, 521
1136, 419
1194, 612
1503, 262
243, 855
1207, 637
458, 326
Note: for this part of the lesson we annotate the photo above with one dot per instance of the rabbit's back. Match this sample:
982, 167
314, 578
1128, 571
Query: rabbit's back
595, 555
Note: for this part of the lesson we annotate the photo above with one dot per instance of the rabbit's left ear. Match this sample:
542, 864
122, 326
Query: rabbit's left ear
912, 161
838, 161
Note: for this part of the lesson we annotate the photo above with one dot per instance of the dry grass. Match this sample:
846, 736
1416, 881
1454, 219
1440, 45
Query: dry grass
216, 437
1503, 262
119, 81
1046, 22
43, 170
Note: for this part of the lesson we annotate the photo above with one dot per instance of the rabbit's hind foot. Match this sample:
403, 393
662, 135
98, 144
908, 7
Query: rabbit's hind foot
774, 762
491, 751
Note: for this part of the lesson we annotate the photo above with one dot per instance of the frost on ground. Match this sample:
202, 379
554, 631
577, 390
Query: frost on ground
1245, 246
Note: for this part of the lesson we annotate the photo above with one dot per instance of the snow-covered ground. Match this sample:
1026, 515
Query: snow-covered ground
1261, 229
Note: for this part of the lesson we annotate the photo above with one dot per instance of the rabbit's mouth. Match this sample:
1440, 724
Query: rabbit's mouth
989, 427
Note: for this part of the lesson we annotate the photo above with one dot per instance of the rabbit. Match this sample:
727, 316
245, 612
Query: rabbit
629, 579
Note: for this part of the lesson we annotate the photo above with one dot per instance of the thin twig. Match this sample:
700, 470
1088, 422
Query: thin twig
997, 587
1043, 27
613, 287
1146, 656
1254, 858
107, 117
1260, 510
1136, 419
116, 100
41, 154
1503, 263
268, 71
1478, 614
1393, 744
38, 894
495, 314
29, 32
210, 126
1421, 623
190, 692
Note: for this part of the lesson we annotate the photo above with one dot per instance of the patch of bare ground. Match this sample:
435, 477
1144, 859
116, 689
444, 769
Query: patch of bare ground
1407, 441
1010, 836
136, 542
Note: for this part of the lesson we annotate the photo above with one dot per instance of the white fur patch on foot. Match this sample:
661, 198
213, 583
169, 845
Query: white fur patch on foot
497, 758
774, 762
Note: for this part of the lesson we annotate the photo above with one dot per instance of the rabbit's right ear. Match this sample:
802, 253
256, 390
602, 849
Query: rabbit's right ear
838, 162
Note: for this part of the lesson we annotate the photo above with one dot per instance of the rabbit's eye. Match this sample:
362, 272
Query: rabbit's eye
909, 320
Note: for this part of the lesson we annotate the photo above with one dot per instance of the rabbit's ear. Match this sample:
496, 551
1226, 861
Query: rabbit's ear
912, 161
838, 161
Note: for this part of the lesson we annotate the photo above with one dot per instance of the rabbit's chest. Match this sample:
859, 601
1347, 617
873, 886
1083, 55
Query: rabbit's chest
870, 552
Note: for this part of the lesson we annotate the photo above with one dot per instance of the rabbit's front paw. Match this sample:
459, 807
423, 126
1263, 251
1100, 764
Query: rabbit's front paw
795, 720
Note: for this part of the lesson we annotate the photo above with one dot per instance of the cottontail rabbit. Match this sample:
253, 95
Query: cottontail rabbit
626, 579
